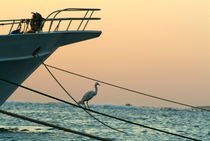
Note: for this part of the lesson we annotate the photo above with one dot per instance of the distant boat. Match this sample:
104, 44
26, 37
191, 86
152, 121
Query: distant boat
42, 36
128, 104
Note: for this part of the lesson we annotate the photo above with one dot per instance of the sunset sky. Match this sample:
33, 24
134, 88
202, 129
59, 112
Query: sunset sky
159, 47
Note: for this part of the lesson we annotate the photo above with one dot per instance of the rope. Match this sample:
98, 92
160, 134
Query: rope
52, 125
36, 55
141, 125
127, 89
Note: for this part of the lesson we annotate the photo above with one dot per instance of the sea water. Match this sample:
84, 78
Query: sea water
186, 122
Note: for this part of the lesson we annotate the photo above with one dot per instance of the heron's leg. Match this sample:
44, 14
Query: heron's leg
88, 105
85, 105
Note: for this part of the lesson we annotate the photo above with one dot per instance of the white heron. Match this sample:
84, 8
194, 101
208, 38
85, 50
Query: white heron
89, 95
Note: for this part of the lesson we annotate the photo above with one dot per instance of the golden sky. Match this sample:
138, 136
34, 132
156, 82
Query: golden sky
159, 47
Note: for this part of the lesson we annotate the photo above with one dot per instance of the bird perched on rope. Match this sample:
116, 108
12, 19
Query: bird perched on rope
89, 95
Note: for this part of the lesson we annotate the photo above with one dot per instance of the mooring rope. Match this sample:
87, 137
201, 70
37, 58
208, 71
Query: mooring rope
36, 55
127, 89
127, 121
52, 125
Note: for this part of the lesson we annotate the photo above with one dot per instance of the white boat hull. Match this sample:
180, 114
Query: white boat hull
16, 59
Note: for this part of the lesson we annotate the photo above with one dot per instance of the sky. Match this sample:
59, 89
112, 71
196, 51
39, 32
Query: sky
159, 47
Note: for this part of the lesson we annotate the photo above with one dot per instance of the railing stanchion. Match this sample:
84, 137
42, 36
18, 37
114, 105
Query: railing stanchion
69, 25
56, 29
82, 20
27, 23
88, 20
11, 27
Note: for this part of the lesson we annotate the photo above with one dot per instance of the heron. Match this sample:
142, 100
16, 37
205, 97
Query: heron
89, 95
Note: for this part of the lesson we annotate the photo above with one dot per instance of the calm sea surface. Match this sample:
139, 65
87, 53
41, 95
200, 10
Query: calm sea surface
185, 122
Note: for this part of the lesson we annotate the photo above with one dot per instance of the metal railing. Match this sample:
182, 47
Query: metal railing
52, 23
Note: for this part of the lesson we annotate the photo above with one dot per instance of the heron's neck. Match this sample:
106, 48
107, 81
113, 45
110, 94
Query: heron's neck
96, 89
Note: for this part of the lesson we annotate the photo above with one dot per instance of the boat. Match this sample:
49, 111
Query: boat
27, 37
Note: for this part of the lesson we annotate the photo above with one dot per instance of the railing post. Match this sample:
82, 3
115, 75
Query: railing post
50, 26
88, 20
56, 29
11, 27
56, 13
27, 23
69, 25
82, 20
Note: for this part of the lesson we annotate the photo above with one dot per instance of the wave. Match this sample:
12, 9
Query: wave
28, 129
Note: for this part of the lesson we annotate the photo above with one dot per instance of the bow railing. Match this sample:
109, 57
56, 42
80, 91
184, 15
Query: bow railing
52, 23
